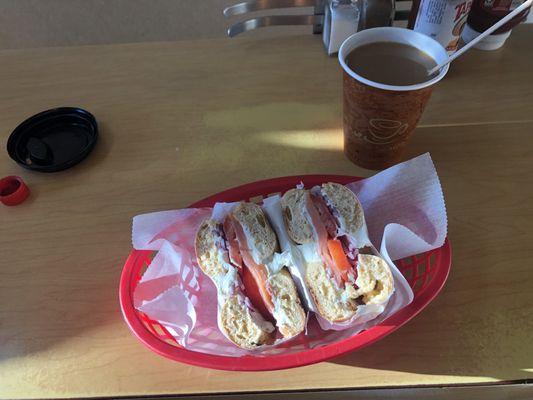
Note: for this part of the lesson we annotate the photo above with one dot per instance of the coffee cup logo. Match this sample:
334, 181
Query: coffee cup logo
384, 131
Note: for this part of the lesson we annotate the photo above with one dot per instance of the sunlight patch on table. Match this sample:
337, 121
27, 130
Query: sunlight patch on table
319, 140
275, 116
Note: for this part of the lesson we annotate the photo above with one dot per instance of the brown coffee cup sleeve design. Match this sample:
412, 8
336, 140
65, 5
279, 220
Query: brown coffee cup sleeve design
378, 123
383, 131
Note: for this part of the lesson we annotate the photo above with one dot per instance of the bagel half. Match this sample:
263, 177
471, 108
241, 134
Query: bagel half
370, 281
238, 321
246, 241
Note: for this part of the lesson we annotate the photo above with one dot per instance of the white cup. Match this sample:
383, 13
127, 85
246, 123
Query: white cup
396, 35
491, 42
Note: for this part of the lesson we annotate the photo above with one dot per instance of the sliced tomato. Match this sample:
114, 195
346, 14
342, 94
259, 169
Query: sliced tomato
254, 275
253, 292
259, 273
340, 261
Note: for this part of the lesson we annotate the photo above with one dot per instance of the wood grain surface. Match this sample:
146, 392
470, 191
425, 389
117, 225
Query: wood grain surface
180, 121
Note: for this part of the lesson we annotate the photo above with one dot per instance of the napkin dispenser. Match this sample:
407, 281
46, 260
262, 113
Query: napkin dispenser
341, 20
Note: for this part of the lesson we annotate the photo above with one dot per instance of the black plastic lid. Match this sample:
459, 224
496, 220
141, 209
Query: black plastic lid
53, 140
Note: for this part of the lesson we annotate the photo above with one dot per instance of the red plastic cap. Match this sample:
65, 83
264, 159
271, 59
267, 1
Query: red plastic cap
13, 191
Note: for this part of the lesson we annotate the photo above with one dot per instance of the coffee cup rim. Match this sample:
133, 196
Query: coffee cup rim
396, 35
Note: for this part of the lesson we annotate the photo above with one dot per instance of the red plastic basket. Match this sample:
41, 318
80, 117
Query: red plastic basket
426, 274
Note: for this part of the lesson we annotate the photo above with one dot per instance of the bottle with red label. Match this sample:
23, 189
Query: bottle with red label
486, 13
443, 20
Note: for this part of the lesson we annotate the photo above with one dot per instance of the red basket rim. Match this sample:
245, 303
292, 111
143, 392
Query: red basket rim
277, 362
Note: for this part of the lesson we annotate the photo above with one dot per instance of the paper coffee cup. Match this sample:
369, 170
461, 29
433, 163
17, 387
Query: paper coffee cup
379, 119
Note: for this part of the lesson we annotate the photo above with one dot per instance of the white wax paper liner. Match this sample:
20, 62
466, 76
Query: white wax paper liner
404, 205
174, 291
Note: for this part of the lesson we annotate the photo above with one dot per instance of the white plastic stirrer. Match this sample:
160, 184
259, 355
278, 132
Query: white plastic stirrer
494, 27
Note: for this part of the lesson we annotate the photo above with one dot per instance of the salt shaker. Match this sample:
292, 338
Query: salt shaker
343, 18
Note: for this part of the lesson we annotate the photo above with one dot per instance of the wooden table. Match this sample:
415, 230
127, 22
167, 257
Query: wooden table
180, 121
